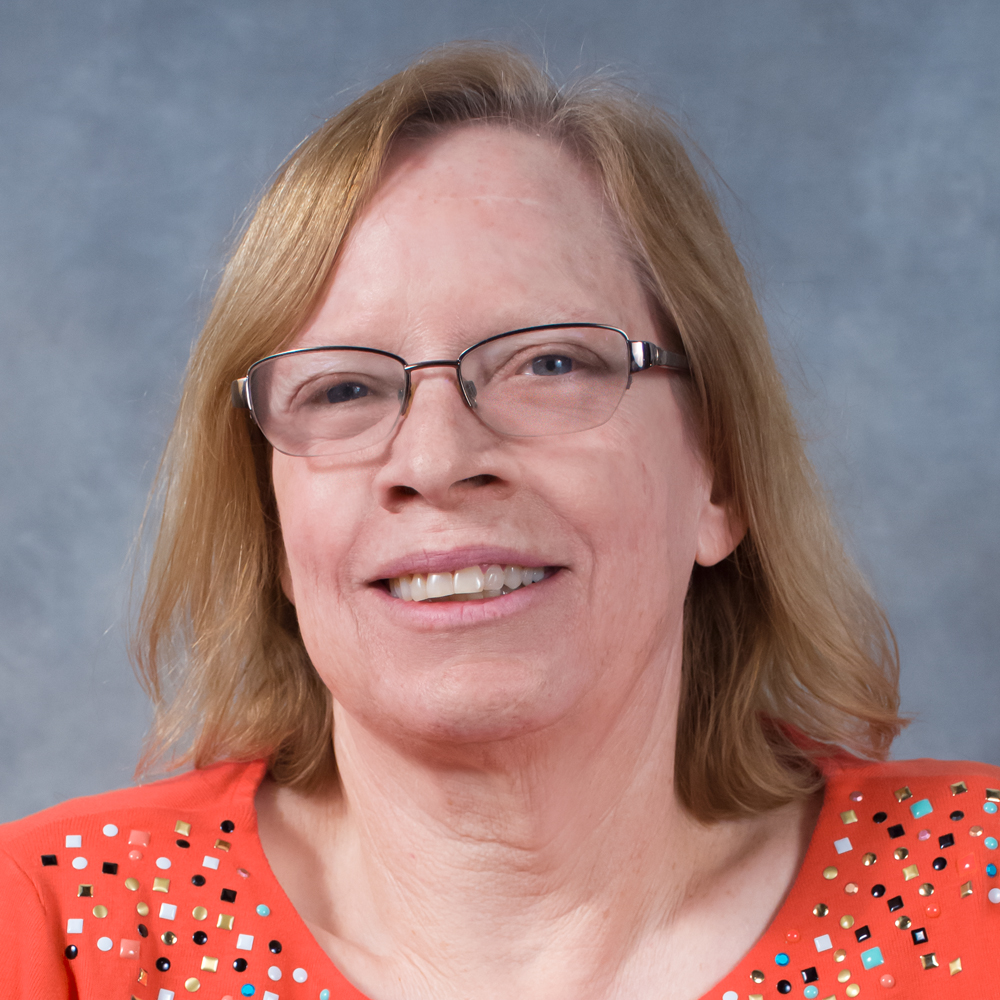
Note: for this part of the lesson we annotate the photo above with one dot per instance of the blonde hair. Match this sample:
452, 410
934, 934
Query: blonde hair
787, 656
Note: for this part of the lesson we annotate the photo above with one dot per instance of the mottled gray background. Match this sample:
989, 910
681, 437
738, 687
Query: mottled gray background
858, 136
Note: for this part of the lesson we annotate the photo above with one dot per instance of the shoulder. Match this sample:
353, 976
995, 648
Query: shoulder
70, 875
211, 787
911, 781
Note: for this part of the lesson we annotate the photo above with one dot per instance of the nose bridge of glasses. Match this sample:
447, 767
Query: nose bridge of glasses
466, 391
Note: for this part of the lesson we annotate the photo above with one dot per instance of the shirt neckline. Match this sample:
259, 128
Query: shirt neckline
252, 779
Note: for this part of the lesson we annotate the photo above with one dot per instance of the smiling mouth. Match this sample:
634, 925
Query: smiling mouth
475, 583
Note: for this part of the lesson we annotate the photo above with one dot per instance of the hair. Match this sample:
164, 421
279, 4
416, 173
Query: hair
787, 656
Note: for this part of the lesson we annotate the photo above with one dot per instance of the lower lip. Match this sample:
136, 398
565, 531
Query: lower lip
439, 614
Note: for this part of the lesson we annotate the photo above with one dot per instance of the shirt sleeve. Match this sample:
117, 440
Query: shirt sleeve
31, 960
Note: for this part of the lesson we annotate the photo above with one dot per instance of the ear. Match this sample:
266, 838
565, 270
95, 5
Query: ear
719, 532
285, 577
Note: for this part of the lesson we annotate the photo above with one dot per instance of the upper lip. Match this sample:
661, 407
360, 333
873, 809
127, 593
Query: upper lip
452, 560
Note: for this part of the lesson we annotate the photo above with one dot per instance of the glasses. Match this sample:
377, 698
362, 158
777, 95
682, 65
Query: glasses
540, 380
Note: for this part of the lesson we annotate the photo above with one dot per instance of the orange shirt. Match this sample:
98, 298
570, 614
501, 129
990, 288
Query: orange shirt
163, 890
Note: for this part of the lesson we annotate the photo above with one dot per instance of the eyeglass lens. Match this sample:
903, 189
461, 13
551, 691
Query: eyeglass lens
534, 382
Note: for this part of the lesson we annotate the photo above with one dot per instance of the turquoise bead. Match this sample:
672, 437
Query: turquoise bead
781, 958
989, 807
991, 870
921, 808
263, 911
247, 990
810, 992
324, 995
991, 843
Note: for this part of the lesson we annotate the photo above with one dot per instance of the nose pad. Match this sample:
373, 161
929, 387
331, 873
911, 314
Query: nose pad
469, 388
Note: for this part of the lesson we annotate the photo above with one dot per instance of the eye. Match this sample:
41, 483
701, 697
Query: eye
344, 392
552, 364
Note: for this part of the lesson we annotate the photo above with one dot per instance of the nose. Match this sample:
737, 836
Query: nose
440, 451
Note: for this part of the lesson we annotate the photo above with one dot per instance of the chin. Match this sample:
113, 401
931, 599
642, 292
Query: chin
467, 703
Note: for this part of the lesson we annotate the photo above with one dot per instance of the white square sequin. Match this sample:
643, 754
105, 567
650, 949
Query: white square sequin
843, 845
268, 995
165, 995
74, 925
74, 840
823, 942
168, 911
244, 942
210, 862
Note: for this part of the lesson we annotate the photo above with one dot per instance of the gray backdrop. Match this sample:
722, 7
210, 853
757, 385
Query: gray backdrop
859, 138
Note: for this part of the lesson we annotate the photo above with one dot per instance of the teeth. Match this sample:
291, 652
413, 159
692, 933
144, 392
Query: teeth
472, 583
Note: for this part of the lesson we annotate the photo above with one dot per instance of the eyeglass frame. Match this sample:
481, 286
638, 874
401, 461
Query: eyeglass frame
643, 355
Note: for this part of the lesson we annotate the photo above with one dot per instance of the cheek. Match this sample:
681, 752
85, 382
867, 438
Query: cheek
319, 514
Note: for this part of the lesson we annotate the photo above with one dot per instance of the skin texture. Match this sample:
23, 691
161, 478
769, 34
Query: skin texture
505, 822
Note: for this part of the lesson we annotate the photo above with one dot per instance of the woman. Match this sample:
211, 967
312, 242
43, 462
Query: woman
519, 515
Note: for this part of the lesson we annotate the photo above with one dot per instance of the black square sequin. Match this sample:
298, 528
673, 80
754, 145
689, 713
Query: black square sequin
109, 868
919, 936
896, 831
228, 896
896, 903
49, 859
862, 934
946, 840
810, 975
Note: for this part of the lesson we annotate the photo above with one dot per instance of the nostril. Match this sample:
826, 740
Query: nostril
483, 480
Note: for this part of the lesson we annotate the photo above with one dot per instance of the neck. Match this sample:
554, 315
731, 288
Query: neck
556, 864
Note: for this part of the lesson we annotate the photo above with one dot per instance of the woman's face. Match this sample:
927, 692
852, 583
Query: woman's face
477, 232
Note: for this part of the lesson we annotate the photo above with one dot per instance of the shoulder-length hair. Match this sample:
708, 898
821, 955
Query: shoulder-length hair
787, 656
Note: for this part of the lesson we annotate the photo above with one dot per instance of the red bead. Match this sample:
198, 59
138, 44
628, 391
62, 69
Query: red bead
792, 937
135, 855
932, 910
887, 981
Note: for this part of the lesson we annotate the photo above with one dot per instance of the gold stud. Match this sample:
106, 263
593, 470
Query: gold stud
143, 977
910, 871
868, 859
192, 985
926, 889
142, 909
903, 922
965, 889
168, 937
222, 845
757, 976
100, 911
820, 910
853, 990
161, 885
955, 966
199, 913
755, 996
830, 872
902, 794
843, 975
209, 964
839, 955
184, 829
851, 888
901, 854
846, 921
225, 922
131, 883
993, 794
85, 890
850, 816
958, 788
929, 961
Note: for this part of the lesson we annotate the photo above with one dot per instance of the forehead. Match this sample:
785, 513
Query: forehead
473, 232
